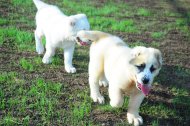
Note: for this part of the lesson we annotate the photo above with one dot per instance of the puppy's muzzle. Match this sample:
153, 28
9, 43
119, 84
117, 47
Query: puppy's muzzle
80, 42
78, 39
145, 80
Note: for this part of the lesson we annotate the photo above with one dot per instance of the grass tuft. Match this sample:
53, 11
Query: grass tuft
143, 12
125, 26
160, 110
158, 35
23, 39
27, 65
3, 21
18, 3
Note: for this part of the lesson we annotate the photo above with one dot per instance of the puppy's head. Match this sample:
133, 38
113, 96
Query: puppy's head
84, 38
147, 63
87, 37
78, 22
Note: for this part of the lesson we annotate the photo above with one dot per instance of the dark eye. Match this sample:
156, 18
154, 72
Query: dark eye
141, 67
152, 69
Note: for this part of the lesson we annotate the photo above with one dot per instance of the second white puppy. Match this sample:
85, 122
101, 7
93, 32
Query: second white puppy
59, 30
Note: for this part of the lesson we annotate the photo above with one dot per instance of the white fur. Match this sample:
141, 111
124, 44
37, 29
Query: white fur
59, 30
110, 61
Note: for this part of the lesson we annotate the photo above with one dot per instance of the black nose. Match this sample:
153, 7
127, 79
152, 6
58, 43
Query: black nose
145, 80
78, 39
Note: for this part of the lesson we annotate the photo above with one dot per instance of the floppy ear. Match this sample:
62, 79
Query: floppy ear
72, 21
158, 56
135, 53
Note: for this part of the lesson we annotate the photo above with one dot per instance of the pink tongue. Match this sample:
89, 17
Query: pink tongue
83, 43
145, 89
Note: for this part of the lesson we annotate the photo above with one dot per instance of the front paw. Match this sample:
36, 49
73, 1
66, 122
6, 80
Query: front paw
136, 119
70, 69
46, 60
98, 98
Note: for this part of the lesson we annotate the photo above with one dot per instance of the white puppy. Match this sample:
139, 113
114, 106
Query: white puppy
59, 30
127, 70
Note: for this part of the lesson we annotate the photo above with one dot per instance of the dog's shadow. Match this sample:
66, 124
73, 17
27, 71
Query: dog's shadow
81, 59
174, 76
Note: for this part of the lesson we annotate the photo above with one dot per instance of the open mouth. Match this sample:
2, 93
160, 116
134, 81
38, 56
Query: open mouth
144, 88
81, 42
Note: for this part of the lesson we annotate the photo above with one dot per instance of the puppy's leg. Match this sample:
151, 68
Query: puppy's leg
50, 51
94, 74
38, 36
68, 57
116, 96
133, 109
103, 81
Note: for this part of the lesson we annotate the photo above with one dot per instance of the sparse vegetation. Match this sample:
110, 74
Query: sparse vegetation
143, 12
125, 26
157, 35
27, 65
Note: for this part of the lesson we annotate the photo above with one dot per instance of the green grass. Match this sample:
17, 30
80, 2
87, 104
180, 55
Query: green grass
171, 14
27, 65
6, 33
37, 60
155, 123
181, 96
40, 91
181, 22
182, 25
81, 111
10, 121
23, 39
141, 43
143, 12
158, 110
57, 61
3, 21
101, 23
158, 35
22, 3
125, 26
108, 108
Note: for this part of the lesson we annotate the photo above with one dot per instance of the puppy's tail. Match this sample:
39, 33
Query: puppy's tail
39, 4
